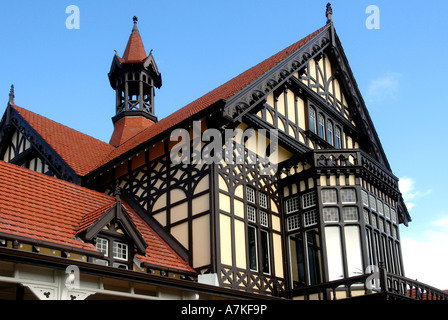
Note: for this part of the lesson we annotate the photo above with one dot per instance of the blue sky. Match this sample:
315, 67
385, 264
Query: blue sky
400, 69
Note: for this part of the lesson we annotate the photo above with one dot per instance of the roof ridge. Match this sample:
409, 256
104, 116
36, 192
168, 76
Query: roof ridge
56, 122
91, 217
80, 151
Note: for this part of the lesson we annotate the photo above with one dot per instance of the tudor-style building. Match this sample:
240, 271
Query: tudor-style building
299, 201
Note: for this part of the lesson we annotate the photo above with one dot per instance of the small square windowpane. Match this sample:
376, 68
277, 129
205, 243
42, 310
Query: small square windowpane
329, 196
308, 200
292, 205
263, 200
331, 214
264, 218
350, 213
250, 194
348, 196
310, 218
251, 214
293, 222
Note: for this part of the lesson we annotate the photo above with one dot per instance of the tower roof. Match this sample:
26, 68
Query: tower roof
135, 51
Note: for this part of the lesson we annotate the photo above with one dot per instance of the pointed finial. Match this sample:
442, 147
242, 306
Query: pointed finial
329, 12
11, 94
117, 192
134, 28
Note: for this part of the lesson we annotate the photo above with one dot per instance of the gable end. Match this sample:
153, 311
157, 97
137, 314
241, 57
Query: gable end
248, 98
13, 122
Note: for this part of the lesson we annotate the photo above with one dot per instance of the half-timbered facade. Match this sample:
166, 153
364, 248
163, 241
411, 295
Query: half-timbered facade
271, 184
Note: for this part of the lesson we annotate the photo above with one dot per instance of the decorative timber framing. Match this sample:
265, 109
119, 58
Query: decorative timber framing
235, 222
173, 198
246, 99
282, 75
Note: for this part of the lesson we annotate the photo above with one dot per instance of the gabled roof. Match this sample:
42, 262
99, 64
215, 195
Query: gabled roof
47, 211
81, 152
210, 99
94, 222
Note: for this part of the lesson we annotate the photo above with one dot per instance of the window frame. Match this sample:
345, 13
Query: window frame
258, 230
312, 119
110, 256
337, 137
321, 126
330, 132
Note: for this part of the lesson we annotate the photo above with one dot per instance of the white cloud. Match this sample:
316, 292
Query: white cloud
441, 223
425, 256
384, 87
410, 194
427, 260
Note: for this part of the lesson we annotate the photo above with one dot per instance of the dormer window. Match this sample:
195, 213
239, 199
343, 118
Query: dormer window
116, 252
115, 237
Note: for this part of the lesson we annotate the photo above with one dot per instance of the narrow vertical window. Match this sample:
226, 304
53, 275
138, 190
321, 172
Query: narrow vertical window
312, 118
321, 126
265, 252
252, 239
369, 248
337, 136
329, 132
298, 260
313, 250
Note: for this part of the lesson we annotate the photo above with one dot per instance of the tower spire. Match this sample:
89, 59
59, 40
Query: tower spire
134, 77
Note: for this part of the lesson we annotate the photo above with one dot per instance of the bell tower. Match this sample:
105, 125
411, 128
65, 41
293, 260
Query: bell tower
134, 76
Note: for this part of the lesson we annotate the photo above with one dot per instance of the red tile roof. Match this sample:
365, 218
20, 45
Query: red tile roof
43, 208
224, 91
135, 50
127, 127
158, 253
80, 151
